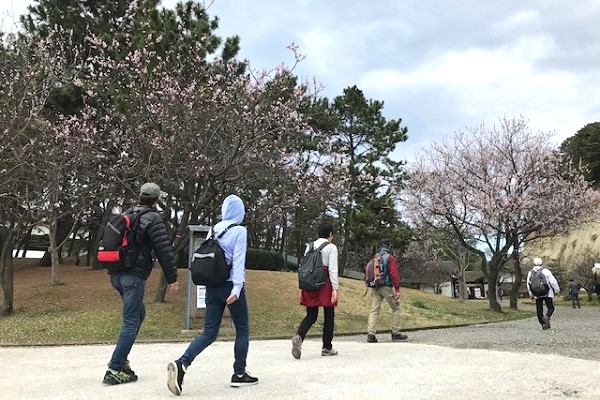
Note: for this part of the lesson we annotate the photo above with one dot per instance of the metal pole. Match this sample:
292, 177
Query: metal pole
189, 291
194, 231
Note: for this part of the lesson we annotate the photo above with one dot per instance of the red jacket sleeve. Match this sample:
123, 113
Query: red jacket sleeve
394, 272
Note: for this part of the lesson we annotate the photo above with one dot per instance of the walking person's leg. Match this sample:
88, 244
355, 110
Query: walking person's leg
239, 315
213, 315
312, 313
376, 299
311, 317
328, 324
131, 288
396, 314
539, 308
549, 311
550, 306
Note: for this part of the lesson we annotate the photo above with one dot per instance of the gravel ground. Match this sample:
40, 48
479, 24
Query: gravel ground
515, 360
574, 333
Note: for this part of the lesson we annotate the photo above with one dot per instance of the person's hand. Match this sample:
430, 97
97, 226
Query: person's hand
396, 294
174, 288
231, 299
333, 296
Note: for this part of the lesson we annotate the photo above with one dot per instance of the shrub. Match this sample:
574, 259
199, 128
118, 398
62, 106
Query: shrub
259, 259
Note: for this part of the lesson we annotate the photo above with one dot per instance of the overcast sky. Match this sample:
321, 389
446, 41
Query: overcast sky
438, 65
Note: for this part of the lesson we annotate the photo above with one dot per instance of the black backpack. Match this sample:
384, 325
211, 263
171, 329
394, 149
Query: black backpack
311, 275
538, 284
209, 266
117, 249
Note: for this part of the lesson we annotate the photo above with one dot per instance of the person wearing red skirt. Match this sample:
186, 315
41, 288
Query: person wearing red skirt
326, 297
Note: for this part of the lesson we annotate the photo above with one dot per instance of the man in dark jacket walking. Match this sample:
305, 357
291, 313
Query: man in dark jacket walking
151, 236
574, 288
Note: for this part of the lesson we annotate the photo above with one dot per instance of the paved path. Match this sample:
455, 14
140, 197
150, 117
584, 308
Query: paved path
417, 369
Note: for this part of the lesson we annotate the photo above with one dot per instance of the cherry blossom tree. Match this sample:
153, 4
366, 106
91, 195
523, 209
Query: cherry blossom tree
197, 127
30, 69
501, 186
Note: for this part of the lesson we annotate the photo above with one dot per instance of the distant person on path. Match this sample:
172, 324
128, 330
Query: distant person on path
574, 288
152, 236
231, 294
389, 290
326, 297
538, 277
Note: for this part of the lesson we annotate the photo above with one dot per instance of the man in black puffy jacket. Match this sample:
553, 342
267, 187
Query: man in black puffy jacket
151, 236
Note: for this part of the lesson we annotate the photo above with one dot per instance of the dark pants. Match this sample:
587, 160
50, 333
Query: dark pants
539, 307
131, 289
575, 300
216, 298
311, 317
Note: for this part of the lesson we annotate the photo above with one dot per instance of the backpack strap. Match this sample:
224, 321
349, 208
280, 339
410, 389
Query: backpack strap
222, 233
385, 261
321, 247
134, 221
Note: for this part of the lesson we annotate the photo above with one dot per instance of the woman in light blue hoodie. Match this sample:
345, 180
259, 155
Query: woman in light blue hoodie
230, 294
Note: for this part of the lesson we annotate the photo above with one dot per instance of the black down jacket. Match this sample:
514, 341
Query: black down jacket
152, 236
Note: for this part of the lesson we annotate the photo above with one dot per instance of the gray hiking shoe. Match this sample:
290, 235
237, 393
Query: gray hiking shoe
328, 352
297, 346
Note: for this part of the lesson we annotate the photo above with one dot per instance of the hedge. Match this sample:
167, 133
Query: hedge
259, 259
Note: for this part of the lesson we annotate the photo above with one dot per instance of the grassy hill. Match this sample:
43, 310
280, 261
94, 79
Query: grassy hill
567, 249
86, 309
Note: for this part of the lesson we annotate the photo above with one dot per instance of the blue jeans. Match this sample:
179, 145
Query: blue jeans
215, 306
131, 289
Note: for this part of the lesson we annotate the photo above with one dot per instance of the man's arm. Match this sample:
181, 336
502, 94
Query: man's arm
159, 238
394, 272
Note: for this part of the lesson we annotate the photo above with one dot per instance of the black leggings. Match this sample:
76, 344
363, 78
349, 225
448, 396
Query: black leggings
539, 307
311, 317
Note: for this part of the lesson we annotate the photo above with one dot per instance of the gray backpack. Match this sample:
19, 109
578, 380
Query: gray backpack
537, 283
311, 273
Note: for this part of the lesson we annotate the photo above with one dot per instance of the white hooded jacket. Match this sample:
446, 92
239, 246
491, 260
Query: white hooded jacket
552, 282
234, 241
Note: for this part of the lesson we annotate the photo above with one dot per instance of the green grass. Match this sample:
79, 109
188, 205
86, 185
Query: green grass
87, 310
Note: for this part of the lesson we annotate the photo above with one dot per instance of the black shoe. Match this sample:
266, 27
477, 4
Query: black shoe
398, 337
127, 369
546, 324
175, 373
116, 378
371, 338
244, 380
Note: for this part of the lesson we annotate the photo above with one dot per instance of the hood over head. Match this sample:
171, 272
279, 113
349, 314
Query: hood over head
232, 212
